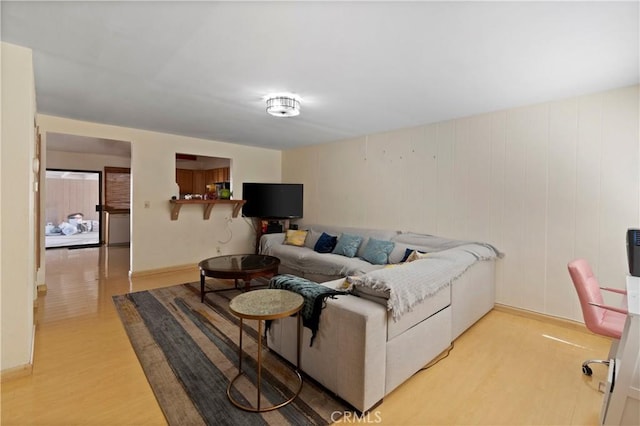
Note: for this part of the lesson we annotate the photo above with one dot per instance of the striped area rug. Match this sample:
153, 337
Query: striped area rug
189, 352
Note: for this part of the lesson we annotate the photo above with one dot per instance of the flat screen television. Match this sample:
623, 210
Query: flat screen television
272, 200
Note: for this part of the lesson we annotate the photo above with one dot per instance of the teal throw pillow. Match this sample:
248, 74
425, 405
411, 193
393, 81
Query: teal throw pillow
347, 245
377, 252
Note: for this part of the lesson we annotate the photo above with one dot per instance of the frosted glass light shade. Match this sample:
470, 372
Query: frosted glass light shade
283, 106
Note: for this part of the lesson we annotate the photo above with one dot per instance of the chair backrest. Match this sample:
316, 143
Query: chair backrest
588, 290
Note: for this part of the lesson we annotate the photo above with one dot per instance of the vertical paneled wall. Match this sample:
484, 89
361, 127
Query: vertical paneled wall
69, 196
544, 183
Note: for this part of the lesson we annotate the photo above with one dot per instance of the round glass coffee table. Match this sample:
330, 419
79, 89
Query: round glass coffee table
237, 267
262, 305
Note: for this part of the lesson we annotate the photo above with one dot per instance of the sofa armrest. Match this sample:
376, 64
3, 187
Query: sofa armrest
269, 240
348, 355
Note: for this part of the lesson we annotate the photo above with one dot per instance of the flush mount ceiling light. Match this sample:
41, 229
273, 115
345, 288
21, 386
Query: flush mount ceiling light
283, 105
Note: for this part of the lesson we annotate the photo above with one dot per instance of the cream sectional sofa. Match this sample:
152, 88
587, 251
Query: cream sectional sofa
361, 353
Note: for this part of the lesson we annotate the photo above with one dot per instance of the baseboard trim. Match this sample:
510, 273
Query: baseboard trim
36, 306
21, 370
562, 322
178, 268
16, 372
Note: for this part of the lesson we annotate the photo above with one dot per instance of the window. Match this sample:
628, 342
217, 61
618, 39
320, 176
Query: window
117, 188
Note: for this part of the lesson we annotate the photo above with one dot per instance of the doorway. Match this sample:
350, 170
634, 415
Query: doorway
72, 208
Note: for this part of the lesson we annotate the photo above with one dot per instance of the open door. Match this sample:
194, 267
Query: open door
73, 217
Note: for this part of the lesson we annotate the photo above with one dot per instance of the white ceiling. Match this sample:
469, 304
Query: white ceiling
202, 68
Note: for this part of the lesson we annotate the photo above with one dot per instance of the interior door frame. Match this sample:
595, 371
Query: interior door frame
99, 208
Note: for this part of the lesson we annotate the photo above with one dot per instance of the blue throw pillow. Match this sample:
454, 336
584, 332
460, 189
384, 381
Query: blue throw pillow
408, 252
377, 252
326, 243
347, 245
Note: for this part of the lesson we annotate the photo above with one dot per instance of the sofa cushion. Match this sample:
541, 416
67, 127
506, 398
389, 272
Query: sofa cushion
291, 255
312, 238
305, 261
347, 245
377, 251
326, 243
426, 241
295, 237
337, 264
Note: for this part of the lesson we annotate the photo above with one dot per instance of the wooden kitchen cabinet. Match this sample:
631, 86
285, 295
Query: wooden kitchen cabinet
196, 181
221, 174
199, 183
209, 177
184, 179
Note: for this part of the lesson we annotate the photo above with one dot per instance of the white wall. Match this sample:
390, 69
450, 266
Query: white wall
17, 228
80, 161
203, 163
157, 242
544, 183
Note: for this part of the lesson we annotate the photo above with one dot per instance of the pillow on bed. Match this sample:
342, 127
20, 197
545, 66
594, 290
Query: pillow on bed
377, 252
68, 229
295, 238
326, 243
347, 245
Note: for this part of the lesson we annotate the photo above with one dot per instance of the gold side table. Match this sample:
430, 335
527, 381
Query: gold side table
261, 305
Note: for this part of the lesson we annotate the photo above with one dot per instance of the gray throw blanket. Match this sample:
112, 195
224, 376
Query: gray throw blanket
407, 285
314, 295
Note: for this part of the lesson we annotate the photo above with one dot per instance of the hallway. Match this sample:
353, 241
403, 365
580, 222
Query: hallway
85, 371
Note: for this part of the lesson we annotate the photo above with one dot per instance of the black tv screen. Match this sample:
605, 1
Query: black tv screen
272, 200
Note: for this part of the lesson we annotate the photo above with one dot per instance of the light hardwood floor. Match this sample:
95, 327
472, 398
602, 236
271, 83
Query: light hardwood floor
505, 370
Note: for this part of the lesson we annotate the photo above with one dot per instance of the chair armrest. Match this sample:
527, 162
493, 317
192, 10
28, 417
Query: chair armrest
610, 308
614, 290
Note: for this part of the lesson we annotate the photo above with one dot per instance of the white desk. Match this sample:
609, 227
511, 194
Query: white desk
621, 405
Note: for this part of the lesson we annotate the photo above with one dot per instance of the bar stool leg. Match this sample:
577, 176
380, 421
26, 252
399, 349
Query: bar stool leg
298, 343
201, 286
240, 350
259, 360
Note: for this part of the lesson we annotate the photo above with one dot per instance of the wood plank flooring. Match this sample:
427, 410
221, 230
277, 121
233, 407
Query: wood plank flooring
506, 370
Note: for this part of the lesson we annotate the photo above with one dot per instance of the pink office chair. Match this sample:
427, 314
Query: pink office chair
599, 318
